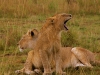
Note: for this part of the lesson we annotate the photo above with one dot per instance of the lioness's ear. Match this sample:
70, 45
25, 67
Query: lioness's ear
32, 33
36, 32
28, 32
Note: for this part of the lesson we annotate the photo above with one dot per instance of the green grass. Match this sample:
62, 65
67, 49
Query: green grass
83, 31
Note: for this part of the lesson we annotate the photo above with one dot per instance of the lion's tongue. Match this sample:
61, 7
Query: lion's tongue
65, 27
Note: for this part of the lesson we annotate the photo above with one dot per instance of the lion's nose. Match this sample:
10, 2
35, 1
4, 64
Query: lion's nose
22, 48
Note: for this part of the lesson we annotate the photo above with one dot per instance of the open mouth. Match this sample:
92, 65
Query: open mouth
65, 25
70, 16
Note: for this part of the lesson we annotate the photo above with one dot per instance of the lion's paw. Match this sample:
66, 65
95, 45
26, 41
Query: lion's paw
63, 73
38, 71
30, 72
47, 73
17, 71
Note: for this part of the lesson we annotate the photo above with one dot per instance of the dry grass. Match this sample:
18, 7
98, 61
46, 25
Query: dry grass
26, 8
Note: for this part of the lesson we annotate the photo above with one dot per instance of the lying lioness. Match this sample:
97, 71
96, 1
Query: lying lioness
72, 57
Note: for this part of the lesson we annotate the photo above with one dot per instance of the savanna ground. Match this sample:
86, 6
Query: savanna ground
17, 16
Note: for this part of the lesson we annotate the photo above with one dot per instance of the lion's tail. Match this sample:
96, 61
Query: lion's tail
96, 63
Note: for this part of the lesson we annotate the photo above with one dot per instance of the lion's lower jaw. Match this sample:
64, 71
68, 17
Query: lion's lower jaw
21, 50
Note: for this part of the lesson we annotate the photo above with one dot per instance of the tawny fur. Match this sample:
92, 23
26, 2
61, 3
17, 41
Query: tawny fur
72, 57
48, 44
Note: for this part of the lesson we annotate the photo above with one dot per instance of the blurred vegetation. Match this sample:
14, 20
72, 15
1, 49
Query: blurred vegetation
83, 31
26, 8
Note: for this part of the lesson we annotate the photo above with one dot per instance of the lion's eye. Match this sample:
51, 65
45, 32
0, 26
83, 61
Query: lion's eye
23, 37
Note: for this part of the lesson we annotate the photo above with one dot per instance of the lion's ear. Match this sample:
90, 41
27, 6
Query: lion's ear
51, 20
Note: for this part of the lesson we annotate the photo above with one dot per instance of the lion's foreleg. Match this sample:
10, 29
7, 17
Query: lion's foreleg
59, 64
45, 62
58, 59
20, 71
27, 68
28, 64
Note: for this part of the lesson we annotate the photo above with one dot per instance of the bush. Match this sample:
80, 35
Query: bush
69, 39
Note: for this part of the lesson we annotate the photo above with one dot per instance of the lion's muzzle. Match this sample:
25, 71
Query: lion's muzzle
67, 18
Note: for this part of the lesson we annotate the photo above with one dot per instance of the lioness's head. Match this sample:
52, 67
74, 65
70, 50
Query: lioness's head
59, 21
28, 40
